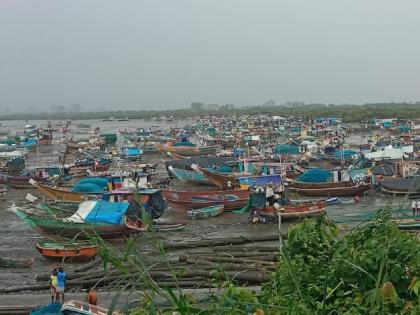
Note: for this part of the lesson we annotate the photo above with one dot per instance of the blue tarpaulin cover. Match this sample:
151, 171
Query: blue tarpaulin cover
91, 185
133, 151
87, 188
99, 181
315, 175
107, 212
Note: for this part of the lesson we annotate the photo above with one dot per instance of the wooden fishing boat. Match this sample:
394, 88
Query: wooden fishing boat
221, 179
407, 224
294, 211
3, 179
59, 208
187, 176
74, 250
46, 136
23, 182
230, 199
338, 189
186, 150
59, 226
288, 210
72, 146
206, 212
259, 180
177, 156
3, 190
59, 193
400, 187
82, 308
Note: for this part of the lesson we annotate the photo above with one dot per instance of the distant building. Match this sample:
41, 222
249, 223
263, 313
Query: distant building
75, 108
269, 103
197, 106
227, 107
211, 107
294, 104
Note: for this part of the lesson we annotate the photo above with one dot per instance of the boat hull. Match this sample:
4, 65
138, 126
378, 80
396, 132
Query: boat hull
187, 176
21, 182
297, 211
341, 189
55, 226
59, 194
231, 199
58, 252
221, 180
207, 212
186, 151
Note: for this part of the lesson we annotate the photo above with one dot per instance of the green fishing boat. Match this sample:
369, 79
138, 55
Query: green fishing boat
109, 138
206, 212
79, 223
59, 208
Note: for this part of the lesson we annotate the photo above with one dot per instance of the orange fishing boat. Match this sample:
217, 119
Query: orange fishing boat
59, 250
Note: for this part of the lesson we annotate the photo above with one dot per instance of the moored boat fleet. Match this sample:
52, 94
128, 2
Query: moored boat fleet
255, 169
257, 164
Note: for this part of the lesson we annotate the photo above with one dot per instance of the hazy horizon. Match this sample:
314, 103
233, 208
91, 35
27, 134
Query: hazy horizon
135, 55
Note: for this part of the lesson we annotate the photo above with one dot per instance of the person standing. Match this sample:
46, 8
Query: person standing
91, 297
53, 283
61, 283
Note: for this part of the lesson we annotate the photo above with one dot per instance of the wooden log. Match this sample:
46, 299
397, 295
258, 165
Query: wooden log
237, 260
88, 266
224, 266
235, 253
257, 247
157, 276
30, 287
221, 241
15, 263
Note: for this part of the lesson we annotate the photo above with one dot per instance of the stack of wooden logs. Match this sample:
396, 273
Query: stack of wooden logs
194, 264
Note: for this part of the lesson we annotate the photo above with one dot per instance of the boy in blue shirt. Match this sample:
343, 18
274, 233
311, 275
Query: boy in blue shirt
61, 283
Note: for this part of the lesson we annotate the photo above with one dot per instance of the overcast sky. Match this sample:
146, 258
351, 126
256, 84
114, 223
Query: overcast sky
165, 54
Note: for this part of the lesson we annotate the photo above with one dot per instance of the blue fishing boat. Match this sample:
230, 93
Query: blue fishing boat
206, 212
187, 176
131, 153
261, 180
29, 143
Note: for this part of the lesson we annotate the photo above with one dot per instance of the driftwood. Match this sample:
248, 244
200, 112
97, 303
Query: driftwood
225, 266
166, 278
88, 266
222, 241
31, 287
238, 260
218, 259
234, 253
256, 248
15, 263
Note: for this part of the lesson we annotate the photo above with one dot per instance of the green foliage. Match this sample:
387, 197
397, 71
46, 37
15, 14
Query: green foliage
368, 271
375, 269
349, 113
